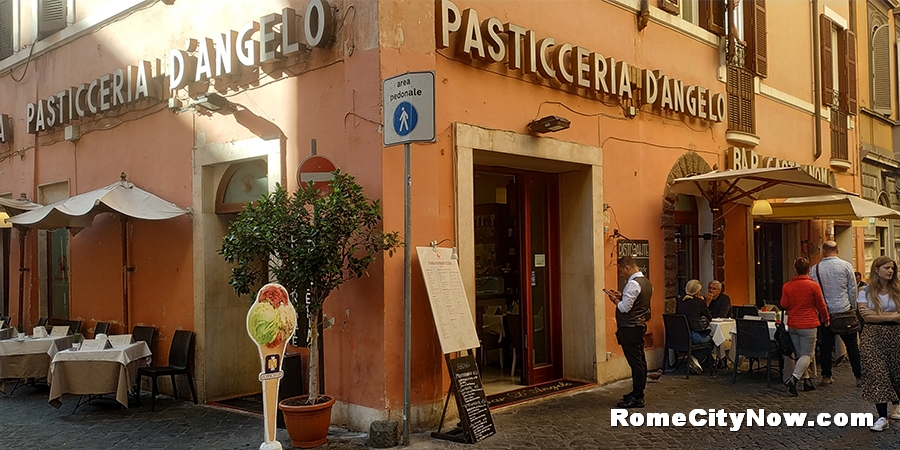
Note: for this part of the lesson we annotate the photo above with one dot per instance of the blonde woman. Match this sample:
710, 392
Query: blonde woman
879, 357
693, 305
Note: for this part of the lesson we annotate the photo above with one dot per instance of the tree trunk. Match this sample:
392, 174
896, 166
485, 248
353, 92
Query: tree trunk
313, 359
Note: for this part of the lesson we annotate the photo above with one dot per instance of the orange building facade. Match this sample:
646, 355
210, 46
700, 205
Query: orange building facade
209, 107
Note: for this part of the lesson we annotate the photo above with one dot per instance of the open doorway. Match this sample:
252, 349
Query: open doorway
517, 297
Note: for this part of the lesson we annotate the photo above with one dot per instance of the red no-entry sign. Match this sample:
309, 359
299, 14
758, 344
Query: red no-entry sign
315, 169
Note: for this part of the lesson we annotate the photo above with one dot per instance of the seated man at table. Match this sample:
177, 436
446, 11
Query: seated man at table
719, 302
694, 308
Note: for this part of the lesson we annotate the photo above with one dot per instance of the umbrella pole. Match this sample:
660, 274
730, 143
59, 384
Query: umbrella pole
23, 232
125, 270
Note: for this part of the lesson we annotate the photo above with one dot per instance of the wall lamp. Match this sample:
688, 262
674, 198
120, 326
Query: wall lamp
548, 124
215, 103
453, 253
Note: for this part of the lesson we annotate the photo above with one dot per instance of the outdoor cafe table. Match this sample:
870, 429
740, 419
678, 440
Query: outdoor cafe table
30, 358
96, 372
724, 332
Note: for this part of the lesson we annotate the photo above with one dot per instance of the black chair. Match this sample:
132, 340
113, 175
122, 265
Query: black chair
146, 334
179, 361
4, 321
101, 328
42, 322
678, 339
752, 341
745, 310
74, 326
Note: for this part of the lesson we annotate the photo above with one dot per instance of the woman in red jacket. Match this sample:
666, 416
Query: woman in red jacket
802, 297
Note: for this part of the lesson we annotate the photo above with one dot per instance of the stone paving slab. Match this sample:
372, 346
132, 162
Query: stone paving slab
575, 420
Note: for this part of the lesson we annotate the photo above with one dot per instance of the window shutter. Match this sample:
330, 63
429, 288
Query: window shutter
670, 6
825, 41
51, 17
852, 95
740, 99
6, 29
881, 70
843, 84
755, 35
712, 16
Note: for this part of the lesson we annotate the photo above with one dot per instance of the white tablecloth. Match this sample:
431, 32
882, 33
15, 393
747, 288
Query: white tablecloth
50, 345
721, 330
97, 372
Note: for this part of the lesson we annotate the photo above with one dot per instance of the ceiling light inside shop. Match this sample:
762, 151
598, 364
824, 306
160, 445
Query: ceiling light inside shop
3, 222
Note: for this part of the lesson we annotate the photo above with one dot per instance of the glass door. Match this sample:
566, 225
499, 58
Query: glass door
540, 259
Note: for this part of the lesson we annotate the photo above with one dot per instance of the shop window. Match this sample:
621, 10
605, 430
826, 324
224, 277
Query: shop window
687, 254
6, 29
242, 183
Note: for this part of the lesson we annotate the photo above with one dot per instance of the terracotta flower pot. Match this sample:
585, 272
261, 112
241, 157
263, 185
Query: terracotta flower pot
307, 424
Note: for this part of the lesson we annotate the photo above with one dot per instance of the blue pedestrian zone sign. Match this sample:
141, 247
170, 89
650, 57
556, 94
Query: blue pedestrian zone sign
405, 118
408, 101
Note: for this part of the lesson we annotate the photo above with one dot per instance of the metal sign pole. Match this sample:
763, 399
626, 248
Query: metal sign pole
407, 293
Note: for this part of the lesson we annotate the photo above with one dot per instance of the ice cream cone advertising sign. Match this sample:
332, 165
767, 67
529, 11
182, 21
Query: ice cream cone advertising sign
270, 323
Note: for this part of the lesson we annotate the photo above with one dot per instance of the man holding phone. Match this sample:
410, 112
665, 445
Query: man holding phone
632, 312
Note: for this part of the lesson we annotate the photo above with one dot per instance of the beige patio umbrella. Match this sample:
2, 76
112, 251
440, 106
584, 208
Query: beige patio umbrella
13, 207
122, 198
831, 207
744, 187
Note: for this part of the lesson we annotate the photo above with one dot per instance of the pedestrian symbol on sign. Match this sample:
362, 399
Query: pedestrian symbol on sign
405, 118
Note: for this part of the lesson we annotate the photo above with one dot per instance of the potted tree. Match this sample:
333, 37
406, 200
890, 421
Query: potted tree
312, 242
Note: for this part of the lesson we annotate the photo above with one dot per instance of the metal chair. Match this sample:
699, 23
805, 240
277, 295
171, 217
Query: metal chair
179, 362
4, 321
42, 322
752, 341
678, 339
101, 328
745, 310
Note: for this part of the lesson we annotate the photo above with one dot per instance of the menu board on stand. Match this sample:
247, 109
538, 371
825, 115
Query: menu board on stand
456, 331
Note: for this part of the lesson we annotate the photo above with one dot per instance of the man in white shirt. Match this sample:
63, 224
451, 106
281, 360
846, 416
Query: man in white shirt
632, 312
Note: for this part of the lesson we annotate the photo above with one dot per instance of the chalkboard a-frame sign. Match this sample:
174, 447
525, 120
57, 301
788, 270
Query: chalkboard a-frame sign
474, 415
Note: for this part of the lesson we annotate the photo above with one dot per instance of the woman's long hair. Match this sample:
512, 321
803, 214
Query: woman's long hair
692, 289
892, 285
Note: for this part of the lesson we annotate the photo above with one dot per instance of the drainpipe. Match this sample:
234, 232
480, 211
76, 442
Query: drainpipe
817, 89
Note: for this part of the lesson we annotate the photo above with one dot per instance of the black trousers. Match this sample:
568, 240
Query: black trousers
826, 348
632, 341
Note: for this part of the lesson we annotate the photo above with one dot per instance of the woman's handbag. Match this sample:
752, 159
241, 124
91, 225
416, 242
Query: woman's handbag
783, 340
846, 322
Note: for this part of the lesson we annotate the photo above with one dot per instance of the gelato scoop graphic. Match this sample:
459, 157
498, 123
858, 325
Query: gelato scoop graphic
271, 319
270, 323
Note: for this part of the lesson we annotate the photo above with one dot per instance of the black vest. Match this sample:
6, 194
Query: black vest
640, 310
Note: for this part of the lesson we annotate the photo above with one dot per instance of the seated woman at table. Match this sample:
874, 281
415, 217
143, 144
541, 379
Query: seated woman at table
693, 306
802, 297
879, 358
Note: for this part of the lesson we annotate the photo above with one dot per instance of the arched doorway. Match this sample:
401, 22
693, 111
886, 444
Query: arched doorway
681, 229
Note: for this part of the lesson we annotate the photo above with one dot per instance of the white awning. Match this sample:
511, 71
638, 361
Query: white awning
833, 207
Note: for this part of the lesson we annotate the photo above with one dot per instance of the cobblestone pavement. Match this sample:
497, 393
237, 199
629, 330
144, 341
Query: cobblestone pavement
577, 420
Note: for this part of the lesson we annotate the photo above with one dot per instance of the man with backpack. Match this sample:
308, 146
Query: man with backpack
840, 289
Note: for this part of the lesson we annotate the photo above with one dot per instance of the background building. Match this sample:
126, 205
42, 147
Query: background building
214, 111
